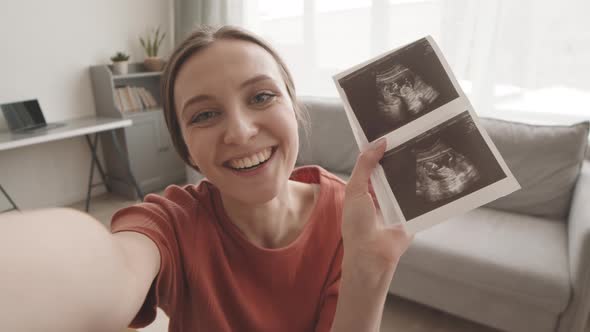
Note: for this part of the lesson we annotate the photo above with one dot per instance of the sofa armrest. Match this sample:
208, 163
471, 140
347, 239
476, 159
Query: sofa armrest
574, 318
579, 230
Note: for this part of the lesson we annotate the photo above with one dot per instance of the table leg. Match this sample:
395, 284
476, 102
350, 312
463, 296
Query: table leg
93, 145
93, 148
125, 161
14, 207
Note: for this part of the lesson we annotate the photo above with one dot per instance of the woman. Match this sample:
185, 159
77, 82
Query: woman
258, 245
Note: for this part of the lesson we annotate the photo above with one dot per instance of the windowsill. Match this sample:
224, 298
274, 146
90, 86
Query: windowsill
558, 105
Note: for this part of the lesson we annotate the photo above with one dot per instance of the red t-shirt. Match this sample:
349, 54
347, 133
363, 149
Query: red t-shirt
212, 278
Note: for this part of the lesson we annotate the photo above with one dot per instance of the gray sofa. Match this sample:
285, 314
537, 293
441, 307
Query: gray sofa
521, 263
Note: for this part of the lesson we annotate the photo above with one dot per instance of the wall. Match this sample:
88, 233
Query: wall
47, 48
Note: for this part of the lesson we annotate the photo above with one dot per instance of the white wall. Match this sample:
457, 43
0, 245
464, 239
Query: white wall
46, 49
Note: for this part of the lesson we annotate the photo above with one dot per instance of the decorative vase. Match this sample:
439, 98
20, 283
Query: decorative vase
120, 67
153, 63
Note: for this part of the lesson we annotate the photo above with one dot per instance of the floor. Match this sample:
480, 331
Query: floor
399, 314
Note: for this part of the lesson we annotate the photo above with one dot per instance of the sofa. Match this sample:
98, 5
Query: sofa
520, 263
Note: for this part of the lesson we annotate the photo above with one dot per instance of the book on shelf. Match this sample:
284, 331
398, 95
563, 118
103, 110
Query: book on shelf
150, 98
143, 96
127, 95
117, 98
123, 100
134, 99
135, 94
139, 92
134, 102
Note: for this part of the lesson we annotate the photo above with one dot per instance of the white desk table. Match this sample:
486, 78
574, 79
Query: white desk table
73, 128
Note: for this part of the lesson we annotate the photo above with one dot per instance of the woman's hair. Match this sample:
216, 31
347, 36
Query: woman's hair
197, 41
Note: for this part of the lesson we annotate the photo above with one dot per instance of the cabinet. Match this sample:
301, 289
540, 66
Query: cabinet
146, 145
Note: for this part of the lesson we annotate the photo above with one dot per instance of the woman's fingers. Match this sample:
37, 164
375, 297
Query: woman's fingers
401, 239
365, 164
370, 244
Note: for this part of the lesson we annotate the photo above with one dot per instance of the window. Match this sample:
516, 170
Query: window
512, 57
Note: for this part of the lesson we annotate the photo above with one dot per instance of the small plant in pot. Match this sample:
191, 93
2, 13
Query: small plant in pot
151, 46
120, 64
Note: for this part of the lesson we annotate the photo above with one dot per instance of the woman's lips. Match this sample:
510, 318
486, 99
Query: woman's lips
257, 169
250, 160
228, 162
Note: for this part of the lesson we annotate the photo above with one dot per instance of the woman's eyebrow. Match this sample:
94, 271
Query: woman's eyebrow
255, 79
195, 99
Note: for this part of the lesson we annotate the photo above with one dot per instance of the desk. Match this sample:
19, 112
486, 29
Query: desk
73, 128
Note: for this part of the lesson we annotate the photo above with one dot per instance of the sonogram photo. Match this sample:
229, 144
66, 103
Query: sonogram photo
442, 165
397, 89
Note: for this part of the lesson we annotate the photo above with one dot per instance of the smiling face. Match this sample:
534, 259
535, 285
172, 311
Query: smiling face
237, 119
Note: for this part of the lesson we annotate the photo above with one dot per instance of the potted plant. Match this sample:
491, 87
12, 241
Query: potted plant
120, 65
151, 45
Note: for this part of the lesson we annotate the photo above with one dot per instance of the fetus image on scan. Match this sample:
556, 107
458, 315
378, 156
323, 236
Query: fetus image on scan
442, 172
402, 95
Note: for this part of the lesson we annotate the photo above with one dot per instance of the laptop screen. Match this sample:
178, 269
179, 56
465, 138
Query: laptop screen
23, 115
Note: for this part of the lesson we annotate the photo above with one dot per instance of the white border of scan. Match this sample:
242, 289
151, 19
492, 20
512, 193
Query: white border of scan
389, 206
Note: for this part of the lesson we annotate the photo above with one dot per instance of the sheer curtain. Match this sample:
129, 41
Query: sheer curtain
189, 13
514, 58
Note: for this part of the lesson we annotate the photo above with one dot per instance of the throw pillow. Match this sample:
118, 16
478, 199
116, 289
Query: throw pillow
545, 160
330, 142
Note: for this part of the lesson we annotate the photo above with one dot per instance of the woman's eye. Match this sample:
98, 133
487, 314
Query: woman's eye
203, 116
263, 97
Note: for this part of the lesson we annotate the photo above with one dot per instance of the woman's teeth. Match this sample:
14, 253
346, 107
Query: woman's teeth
252, 160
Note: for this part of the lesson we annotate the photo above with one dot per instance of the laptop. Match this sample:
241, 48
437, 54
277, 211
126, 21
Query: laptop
25, 116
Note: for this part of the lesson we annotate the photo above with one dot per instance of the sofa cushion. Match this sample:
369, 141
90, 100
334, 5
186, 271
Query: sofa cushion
512, 254
545, 160
330, 143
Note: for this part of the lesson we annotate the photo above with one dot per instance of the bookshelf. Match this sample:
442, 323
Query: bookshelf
146, 144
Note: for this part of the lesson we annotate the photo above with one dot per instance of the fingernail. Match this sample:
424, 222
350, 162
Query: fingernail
378, 144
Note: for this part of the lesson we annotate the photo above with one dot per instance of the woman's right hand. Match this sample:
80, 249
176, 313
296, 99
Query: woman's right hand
370, 245
372, 250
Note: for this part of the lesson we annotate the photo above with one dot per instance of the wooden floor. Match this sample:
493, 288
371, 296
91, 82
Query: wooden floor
399, 314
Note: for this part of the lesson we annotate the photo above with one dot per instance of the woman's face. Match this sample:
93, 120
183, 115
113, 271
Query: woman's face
237, 119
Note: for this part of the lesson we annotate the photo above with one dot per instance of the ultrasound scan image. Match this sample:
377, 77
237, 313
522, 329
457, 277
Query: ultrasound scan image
402, 93
442, 172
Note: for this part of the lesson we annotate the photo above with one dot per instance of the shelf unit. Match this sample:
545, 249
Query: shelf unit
146, 144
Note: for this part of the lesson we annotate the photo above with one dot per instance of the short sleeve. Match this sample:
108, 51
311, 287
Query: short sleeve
154, 218
330, 294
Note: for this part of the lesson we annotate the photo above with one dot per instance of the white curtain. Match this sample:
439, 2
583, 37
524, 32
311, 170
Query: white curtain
189, 13
518, 58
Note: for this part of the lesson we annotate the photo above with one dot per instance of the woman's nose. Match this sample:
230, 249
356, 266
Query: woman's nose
241, 127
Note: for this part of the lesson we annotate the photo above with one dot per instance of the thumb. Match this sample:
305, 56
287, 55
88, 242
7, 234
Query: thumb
365, 164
